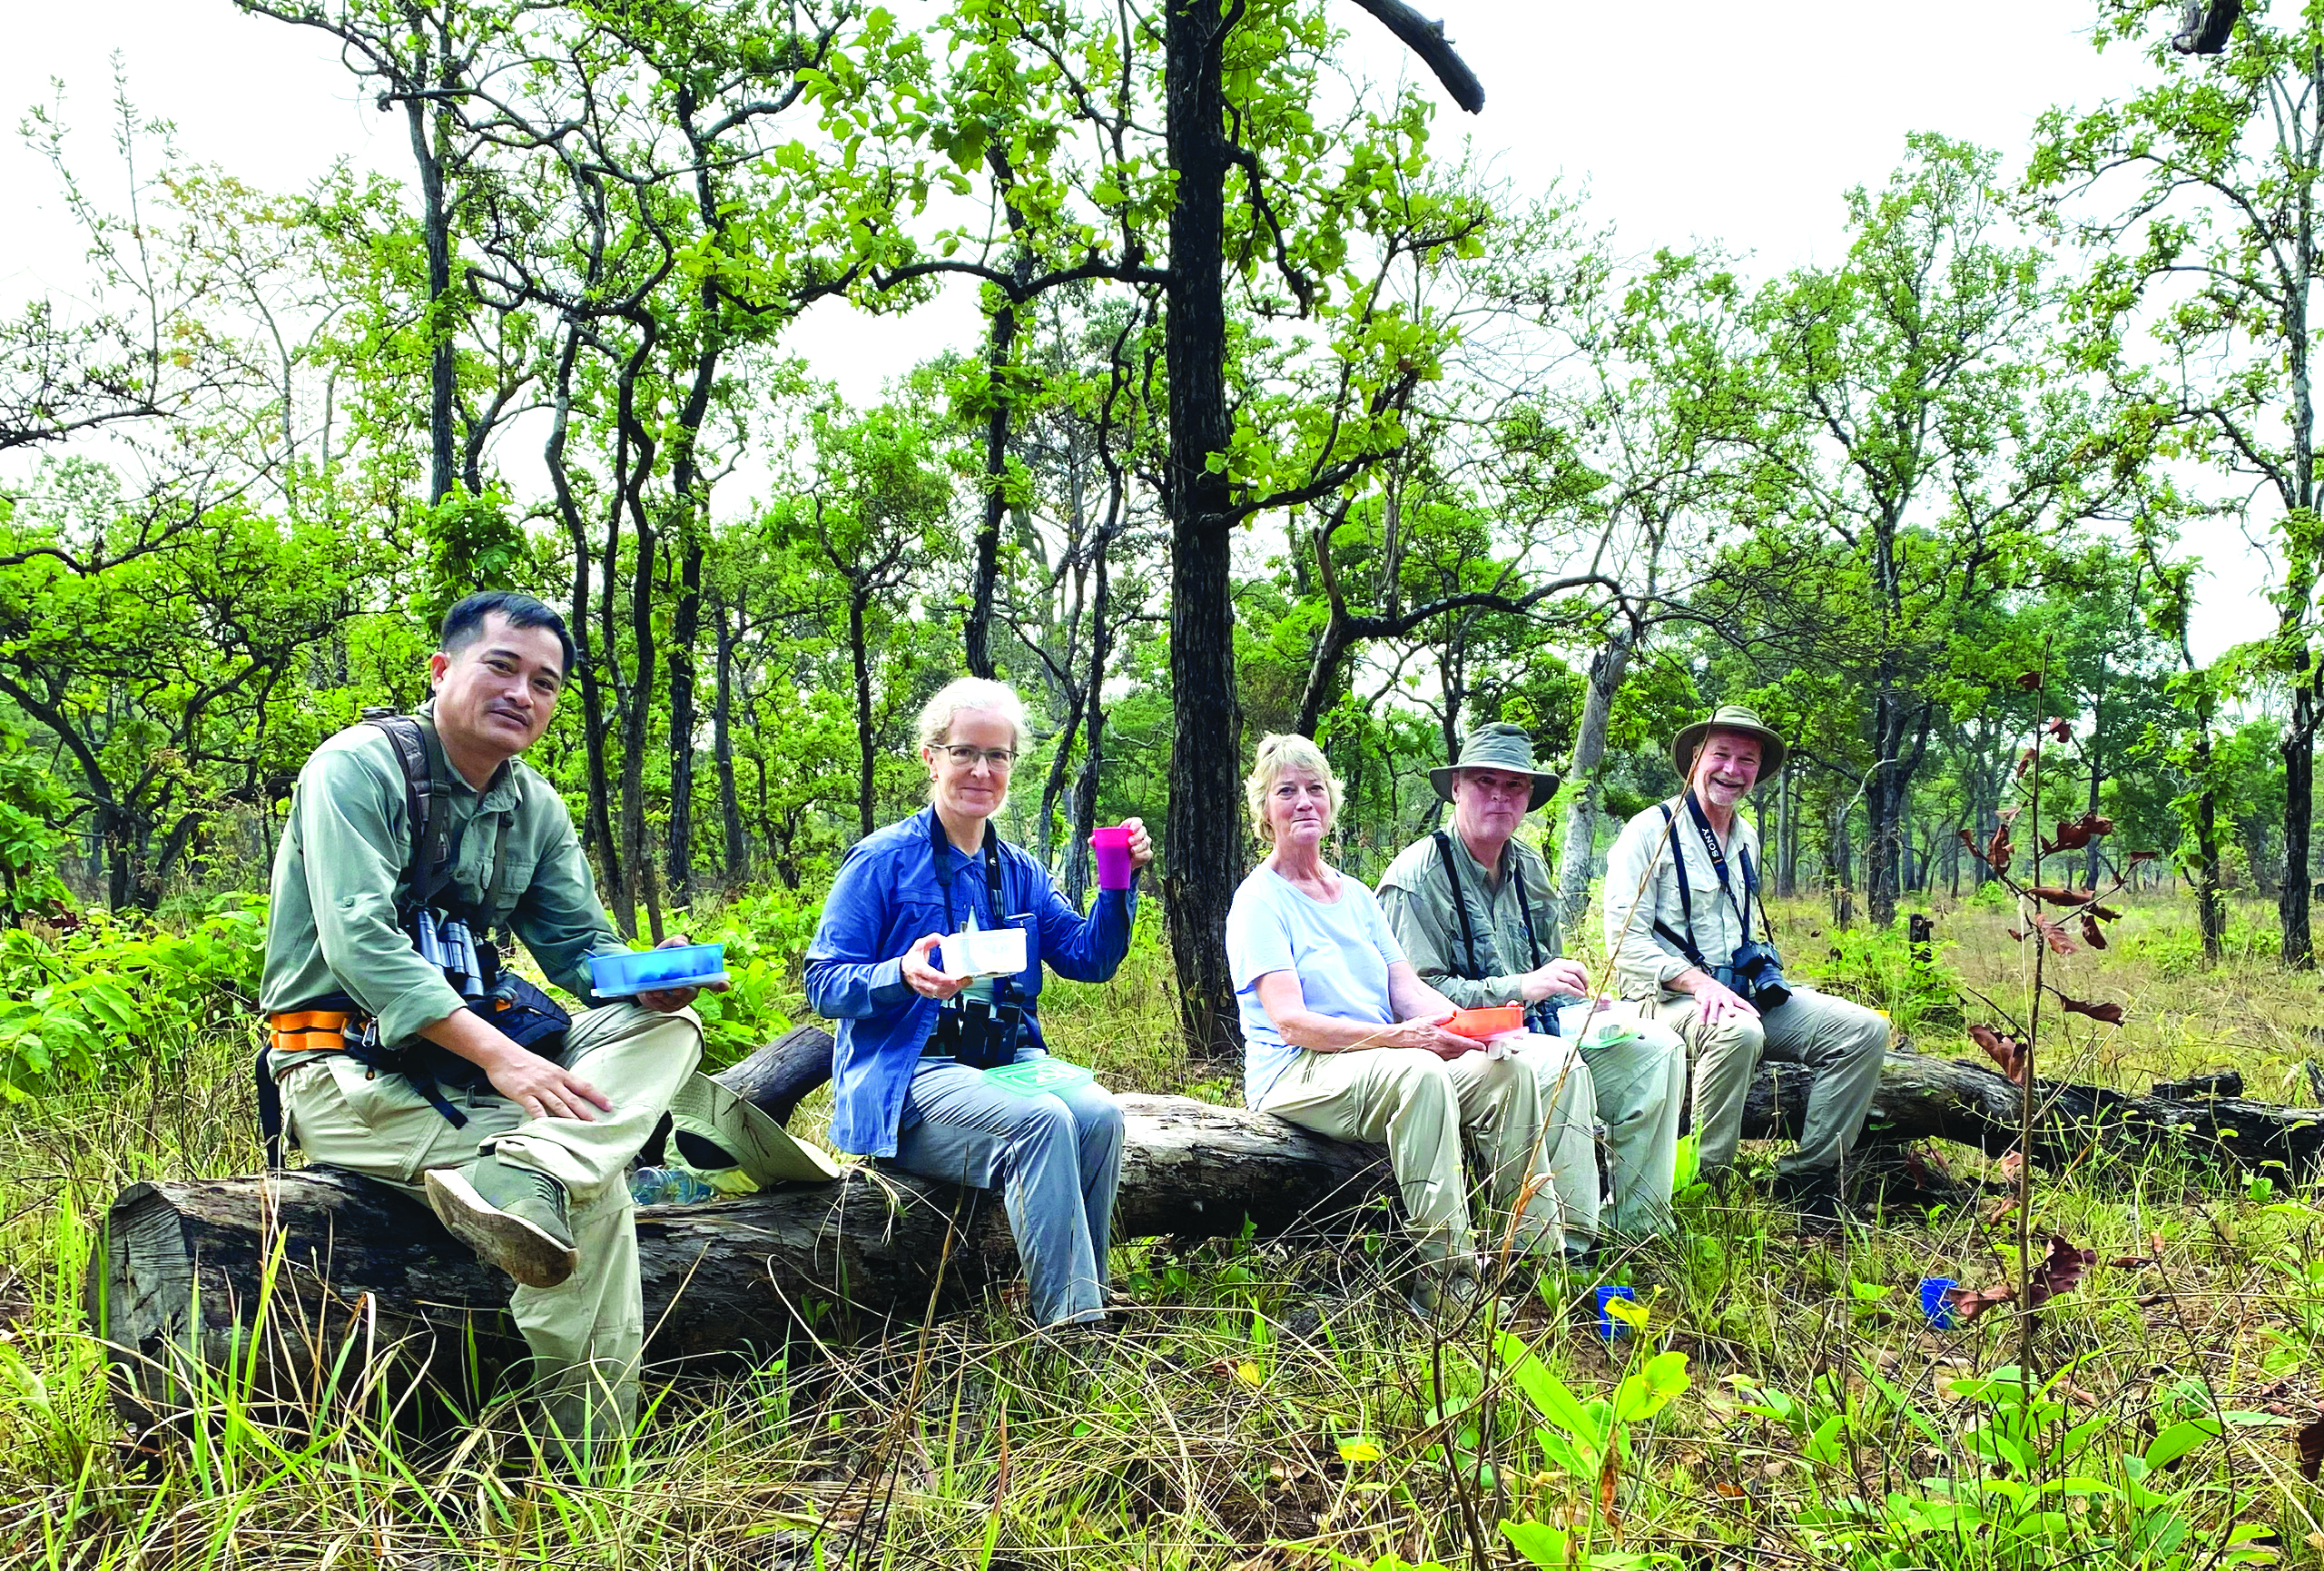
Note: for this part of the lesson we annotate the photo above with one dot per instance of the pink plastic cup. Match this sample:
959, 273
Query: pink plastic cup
1112, 846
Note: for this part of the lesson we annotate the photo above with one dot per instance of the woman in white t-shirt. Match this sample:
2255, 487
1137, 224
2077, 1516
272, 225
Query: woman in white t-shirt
1341, 1036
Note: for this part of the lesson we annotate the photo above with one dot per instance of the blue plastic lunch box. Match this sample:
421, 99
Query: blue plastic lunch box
650, 970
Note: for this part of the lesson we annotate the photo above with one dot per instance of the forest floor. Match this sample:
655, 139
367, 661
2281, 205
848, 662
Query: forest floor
1255, 1412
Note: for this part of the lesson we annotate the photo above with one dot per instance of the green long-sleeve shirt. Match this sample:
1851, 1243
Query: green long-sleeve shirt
340, 869
1418, 900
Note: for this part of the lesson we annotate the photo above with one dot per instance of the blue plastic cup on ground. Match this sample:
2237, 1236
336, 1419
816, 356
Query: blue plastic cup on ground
1608, 1327
1933, 1308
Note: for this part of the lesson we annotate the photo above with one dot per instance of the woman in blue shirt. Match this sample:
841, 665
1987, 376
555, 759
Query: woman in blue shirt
907, 1068
1341, 1036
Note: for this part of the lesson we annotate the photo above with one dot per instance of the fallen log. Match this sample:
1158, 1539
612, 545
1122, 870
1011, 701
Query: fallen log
296, 1291
1923, 1097
314, 1263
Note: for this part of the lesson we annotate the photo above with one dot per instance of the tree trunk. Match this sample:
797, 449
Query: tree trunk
1788, 835
1093, 725
859, 650
1836, 856
597, 828
1884, 806
1578, 842
2093, 861
736, 871
1001, 339
1053, 784
443, 348
2299, 807
685, 629
2211, 906
1204, 839
180, 1265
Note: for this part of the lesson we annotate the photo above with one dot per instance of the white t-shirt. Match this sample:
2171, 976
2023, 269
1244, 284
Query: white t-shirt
1340, 952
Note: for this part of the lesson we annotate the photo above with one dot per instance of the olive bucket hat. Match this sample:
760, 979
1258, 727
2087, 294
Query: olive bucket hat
1728, 718
1498, 746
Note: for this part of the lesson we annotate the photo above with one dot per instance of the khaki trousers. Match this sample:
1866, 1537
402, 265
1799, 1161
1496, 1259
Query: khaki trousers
1636, 1086
1841, 1044
586, 1334
1420, 1106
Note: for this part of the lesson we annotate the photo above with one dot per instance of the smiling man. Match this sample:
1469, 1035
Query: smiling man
402, 1051
1689, 941
1471, 905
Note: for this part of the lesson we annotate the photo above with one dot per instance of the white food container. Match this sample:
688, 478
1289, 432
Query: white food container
985, 952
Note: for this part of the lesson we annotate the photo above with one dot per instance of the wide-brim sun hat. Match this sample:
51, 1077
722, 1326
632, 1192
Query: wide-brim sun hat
761, 1147
1498, 746
1774, 749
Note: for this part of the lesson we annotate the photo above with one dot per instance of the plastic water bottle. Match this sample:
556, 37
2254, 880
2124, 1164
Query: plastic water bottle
668, 1186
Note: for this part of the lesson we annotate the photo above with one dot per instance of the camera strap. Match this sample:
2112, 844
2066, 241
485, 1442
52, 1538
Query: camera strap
1683, 941
1006, 1013
1718, 855
1513, 869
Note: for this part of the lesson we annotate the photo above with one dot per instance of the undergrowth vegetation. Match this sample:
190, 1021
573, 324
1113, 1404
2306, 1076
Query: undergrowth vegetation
1766, 1402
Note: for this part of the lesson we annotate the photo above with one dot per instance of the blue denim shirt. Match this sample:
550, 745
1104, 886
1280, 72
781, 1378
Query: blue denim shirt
888, 894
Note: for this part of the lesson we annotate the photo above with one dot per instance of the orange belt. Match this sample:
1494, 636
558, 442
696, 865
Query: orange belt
309, 1031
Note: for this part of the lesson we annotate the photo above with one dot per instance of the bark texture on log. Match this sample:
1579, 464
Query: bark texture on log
174, 1285
1924, 1098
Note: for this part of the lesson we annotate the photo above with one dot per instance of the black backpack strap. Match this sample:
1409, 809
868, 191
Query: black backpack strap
270, 1108
1686, 945
430, 867
1460, 905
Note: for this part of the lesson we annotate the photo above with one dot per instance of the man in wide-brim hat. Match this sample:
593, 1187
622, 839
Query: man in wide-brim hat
1689, 936
1471, 906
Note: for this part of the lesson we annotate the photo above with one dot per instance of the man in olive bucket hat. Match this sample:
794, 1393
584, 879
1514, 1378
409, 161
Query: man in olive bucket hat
1689, 940
1471, 907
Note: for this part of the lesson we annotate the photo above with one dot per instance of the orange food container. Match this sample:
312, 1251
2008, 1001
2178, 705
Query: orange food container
1482, 1024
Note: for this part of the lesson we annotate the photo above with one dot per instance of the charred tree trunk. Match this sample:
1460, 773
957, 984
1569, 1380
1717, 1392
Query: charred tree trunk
737, 846
1204, 838
172, 1286
859, 650
2300, 807
1000, 347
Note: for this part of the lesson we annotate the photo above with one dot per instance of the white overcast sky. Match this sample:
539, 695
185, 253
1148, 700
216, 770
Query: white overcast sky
1684, 120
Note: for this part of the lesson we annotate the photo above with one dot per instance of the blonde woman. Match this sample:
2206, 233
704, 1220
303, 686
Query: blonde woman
913, 1040
1341, 1036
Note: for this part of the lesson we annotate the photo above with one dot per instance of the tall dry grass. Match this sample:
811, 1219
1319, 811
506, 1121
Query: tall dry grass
1263, 1406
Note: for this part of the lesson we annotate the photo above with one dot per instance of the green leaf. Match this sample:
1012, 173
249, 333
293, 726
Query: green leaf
1651, 1388
1823, 1445
2178, 1440
1543, 1545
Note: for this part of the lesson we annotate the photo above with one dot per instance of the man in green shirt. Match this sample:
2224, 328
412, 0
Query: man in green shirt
1472, 908
528, 1162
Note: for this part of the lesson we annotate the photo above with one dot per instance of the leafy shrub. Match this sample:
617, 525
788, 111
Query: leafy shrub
2176, 950
1876, 966
766, 938
82, 998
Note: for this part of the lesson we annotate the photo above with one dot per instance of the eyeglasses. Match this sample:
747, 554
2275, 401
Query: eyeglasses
964, 756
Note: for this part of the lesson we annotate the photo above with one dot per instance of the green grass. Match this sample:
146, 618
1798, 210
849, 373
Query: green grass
1263, 1408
